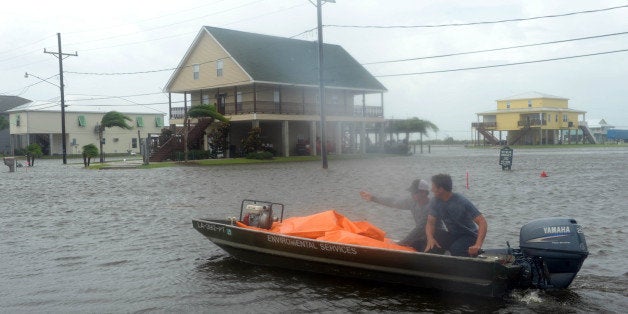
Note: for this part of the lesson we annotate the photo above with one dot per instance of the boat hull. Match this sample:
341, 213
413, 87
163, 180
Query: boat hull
478, 276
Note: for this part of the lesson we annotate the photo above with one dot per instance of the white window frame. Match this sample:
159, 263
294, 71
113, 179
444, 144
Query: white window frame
219, 67
196, 71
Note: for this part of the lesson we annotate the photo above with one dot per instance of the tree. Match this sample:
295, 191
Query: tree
109, 120
4, 123
206, 111
253, 142
32, 150
218, 134
202, 111
412, 125
89, 151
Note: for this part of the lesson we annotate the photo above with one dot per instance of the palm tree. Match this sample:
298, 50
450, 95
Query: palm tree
200, 111
89, 151
413, 125
416, 125
33, 150
206, 111
109, 120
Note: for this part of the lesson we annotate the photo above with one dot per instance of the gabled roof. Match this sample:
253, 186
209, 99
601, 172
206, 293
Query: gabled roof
597, 123
10, 102
279, 60
532, 95
55, 106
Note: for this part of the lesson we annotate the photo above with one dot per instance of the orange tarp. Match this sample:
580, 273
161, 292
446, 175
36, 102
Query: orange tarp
331, 226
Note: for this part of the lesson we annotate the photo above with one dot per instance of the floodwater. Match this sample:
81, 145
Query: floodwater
76, 240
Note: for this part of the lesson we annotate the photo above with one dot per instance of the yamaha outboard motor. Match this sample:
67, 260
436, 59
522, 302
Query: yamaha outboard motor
553, 250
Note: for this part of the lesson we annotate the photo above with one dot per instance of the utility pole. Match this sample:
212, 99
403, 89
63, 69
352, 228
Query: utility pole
321, 86
60, 55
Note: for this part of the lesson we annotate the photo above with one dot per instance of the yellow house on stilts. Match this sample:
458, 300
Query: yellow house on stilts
531, 119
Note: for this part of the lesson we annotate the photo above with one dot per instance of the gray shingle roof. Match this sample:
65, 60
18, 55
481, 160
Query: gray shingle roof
290, 61
10, 102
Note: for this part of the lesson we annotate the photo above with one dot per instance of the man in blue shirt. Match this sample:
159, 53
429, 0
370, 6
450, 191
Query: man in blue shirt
465, 227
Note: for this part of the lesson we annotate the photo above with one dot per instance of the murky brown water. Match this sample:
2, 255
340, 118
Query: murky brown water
75, 240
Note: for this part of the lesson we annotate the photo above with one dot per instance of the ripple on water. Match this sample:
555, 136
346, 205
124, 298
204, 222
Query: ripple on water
76, 240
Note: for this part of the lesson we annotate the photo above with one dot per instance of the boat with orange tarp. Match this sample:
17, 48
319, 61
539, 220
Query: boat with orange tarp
550, 254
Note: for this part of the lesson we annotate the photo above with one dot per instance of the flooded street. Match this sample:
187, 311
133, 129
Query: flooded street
76, 240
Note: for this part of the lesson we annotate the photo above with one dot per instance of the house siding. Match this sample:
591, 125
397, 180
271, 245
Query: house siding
47, 126
205, 54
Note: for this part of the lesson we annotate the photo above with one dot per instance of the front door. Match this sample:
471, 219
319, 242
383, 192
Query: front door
221, 99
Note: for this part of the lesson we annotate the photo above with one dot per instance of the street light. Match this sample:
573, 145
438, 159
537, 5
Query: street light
63, 142
321, 87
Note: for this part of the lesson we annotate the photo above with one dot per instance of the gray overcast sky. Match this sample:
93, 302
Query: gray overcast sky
137, 36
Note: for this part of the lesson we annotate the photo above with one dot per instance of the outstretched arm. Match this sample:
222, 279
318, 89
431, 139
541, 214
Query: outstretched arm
366, 196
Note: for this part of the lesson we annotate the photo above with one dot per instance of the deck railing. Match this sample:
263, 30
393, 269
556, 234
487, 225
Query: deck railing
290, 108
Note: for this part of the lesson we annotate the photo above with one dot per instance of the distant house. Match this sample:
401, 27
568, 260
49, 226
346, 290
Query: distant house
599, 128
40, 122
532, 119
272, 82
7, 103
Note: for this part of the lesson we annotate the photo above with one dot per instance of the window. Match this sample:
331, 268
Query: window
139, 121
17, 120
219, 66
239, 101
82, 121
556, 118
529, 103
508, 105
564, 118
205, 100
197, 71
159, 122
277, 100
134, 143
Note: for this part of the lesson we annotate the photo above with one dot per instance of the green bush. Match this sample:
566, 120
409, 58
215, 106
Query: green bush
259, 155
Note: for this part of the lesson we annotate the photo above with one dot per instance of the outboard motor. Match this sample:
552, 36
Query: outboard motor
552, 249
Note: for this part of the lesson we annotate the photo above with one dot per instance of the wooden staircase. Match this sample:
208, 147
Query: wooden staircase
522, 133
488, 135
587, 133
175, 142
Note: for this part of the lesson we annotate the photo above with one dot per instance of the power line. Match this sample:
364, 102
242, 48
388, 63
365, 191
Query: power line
172, 24
381, 62
502, 65
496, 49
144, 72
477, 23
187, 33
